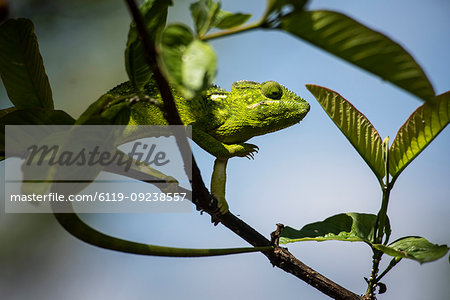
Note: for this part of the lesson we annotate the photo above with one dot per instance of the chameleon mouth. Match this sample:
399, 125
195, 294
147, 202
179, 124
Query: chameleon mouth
304, 111
280, 102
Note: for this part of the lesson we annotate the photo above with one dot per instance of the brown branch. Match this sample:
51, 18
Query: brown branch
279, 257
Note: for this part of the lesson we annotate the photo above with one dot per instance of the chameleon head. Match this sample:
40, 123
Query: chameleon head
260, 108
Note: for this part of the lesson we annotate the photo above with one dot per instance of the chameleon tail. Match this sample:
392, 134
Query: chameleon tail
75, 226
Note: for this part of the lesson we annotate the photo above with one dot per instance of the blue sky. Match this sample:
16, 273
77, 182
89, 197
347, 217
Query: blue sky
302, 174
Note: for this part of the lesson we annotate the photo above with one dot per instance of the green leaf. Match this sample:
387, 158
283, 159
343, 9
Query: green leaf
207, 15
37, 116
3, 113
418, 132
229, 20
107, 110
138, 70
175, 40
155, 15
204, 14
198, 68
354, 125
279, 7
414, 247
21, 66
190, 64
350, 227
361, 46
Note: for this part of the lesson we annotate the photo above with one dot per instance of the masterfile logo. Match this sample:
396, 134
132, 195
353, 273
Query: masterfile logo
53, 155
97, 168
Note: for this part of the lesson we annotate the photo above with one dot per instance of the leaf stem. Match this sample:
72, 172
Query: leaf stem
382, 216
372, 282
231, 31
380, 225
379, 231
392, 264
386, 189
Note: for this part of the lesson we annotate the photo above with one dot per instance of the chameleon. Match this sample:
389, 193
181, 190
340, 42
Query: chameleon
222, 123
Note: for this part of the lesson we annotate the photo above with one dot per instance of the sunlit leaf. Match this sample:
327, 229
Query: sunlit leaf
416, 248
138, 69
175, 40
362, 46
418, 132
350, 227
354, 125
198, 68
204, 14
190, 64
21, 66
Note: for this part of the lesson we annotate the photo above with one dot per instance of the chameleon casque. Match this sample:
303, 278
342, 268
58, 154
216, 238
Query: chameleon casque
221, 123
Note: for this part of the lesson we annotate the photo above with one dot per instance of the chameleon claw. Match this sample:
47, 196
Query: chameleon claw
222, 206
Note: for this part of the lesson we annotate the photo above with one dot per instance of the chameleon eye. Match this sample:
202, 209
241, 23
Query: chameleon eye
272, 90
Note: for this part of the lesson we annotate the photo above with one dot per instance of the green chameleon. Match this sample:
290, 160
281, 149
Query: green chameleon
221, 123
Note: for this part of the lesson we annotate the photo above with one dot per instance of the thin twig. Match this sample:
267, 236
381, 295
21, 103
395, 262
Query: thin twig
219, 34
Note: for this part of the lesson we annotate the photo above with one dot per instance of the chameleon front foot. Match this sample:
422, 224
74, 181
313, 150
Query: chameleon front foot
242, 150
222, 205
251, 154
